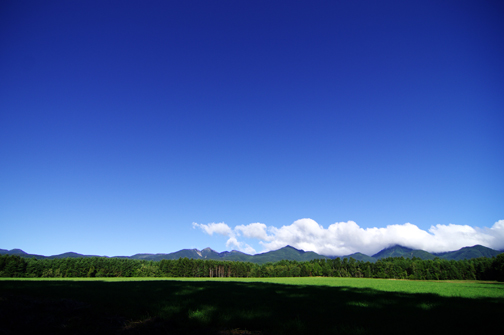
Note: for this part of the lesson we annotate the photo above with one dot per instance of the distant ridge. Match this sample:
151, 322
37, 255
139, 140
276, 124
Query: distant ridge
13, 252
71, 255
468, 253
286, 253
21, 253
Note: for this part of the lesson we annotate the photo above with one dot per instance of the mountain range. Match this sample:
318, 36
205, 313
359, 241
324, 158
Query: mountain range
286, 253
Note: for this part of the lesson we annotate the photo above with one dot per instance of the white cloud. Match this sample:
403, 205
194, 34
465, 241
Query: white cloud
248, 250
254, 230
232, 241
497, 232
344, 238
218, 228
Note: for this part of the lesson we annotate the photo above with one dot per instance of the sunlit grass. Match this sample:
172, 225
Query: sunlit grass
461, 288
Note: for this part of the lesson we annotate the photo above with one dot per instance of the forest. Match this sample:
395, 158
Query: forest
483, 268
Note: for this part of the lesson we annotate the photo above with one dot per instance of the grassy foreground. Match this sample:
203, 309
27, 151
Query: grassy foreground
248, 306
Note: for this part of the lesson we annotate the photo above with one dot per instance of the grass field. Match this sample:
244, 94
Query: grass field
248, 306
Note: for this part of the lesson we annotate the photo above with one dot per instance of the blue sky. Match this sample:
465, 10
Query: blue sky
130, 126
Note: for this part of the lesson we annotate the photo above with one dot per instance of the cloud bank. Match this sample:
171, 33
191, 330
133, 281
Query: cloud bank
344, 238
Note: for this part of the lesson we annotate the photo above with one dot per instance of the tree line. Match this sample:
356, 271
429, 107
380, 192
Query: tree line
393, 267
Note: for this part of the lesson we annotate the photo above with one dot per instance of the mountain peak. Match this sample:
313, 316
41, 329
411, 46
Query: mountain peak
397, 246
291, 247
393, 251
17, 252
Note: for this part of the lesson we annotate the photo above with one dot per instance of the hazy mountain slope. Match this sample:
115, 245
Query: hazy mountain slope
288, 253
358, 256
400, 251
235, 255
184, 253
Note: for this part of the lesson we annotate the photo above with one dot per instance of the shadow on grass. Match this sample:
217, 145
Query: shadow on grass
179, 307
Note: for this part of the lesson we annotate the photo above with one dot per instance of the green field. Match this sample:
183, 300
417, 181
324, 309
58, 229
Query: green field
248, 306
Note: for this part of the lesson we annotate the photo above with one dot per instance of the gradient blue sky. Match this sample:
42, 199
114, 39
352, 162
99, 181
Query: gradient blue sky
122, 123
